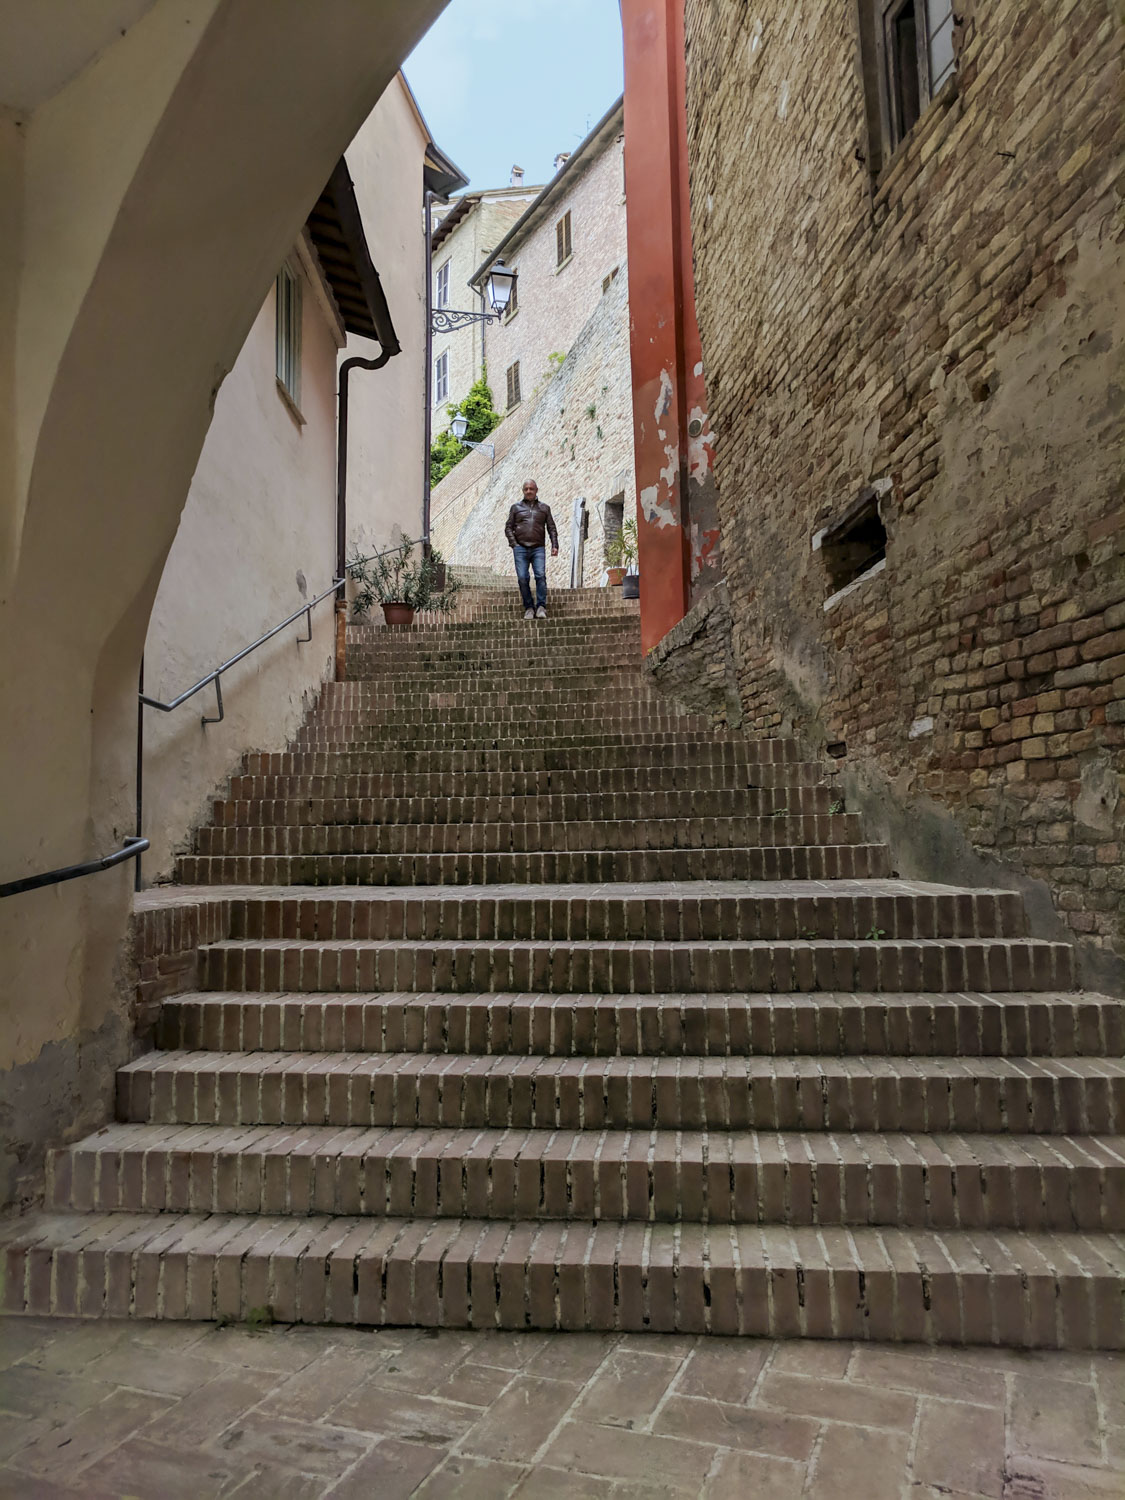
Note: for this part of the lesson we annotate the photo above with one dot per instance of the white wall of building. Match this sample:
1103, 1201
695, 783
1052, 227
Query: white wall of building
386, 408
256, 539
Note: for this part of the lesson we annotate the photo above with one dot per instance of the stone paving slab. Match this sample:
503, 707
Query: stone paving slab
159, 1412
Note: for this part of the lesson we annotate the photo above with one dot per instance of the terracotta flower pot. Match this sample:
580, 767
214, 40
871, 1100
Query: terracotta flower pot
398, 614
615, 577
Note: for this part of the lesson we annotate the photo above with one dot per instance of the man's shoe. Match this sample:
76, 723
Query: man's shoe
541, 612
529, 614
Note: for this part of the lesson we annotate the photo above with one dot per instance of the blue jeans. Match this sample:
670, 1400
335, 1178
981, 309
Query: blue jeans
531, 559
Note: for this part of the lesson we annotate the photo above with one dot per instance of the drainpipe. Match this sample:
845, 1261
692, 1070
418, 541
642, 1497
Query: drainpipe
355, 363
427, 384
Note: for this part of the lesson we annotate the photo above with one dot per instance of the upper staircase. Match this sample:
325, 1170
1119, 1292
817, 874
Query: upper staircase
542, 1004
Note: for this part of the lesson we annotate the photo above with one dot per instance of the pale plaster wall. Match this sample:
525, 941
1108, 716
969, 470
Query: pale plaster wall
555, 441
386, 408
257, 537
467, 245
154, 197
554, 302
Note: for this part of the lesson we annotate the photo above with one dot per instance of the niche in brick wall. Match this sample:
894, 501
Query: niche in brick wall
854, 544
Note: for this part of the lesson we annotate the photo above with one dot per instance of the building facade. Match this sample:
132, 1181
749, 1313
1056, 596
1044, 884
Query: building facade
567, 247
575, 439
910, 290
471, 225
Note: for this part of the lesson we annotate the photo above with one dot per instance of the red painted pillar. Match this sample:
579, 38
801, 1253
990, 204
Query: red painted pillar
676, 501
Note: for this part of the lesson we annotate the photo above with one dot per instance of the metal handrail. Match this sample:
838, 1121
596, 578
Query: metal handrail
305, 609
130, 849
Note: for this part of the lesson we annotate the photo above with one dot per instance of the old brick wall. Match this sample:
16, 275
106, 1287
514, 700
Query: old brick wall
574, 439
694, 664
951, 334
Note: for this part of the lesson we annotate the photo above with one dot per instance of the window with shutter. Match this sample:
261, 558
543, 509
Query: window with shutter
908, 58
441, 378
288, 333
513, 385
563, 247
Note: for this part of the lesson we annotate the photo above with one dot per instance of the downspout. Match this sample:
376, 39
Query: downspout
355, 363
427, 384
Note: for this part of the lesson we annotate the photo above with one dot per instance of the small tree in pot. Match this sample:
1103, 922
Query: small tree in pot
629, 551
621, 553
402, 584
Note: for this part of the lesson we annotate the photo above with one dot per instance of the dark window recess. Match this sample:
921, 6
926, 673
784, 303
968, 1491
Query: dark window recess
853, 545
613, 521
513, 385
903, 60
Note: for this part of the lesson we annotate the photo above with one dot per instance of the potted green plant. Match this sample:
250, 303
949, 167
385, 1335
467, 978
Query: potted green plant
621, 553
630, 583
401, 584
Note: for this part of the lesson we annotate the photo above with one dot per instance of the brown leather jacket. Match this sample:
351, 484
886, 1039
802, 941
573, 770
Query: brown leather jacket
526, 525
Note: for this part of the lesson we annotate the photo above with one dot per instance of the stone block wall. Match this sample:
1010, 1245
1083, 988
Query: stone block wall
946, 338
695, 665
555, 302
574, 439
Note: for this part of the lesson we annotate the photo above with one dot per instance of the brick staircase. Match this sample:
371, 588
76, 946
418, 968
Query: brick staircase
539, 1004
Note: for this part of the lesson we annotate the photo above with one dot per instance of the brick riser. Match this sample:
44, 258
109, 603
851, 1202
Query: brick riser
831, 862
937, 1182
1036, 1290
817, 1102
856, 1025
927, 966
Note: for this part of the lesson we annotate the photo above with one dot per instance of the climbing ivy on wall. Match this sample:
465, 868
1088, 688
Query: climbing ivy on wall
445, 450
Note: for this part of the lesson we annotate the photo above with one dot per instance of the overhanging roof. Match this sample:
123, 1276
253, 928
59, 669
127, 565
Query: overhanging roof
336, 230
609, 126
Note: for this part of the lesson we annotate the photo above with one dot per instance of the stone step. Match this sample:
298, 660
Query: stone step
349, 726
1066, 1096
645, 968
1006, 1287
800, 775
480, 676
795, 862
383, 743
425, 698
856, 1024
781, 829
546, 808
635, 755
660, 913
737, 1177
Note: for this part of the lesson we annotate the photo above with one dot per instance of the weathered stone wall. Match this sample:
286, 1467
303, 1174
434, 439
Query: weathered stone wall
951, 335
555, 302
694, 664
575, 439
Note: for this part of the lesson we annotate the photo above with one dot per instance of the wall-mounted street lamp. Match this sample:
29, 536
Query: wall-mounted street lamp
459, 425
501, 280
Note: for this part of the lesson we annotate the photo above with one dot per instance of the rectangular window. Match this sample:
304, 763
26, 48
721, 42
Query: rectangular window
513, 385
913, 59
513, 299
288, 333
607, 281
441, 377
441, 287
563, 246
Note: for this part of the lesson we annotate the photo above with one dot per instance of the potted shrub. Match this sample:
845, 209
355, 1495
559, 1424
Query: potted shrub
621, 553
401, 584
631, 583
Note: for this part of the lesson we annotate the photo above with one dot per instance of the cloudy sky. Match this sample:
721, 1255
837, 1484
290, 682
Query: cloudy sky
516, 81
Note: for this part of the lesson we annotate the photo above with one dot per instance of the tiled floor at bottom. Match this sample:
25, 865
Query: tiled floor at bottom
162, 1411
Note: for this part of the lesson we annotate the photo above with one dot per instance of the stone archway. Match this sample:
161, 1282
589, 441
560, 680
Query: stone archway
155, 162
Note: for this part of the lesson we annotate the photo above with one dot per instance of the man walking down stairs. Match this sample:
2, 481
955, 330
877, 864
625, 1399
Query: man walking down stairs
596, 1019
